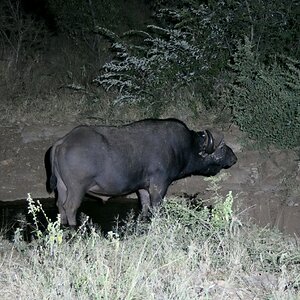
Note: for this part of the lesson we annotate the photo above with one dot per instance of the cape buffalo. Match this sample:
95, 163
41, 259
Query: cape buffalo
143, 157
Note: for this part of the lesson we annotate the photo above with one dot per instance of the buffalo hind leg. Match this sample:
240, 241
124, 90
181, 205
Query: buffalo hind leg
74, 199
62, 212
61, 199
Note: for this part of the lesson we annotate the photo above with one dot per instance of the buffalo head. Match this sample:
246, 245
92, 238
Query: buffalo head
215, 154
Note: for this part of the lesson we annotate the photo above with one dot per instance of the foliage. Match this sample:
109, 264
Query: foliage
217, 26
222, 212
265, 100
179, 61
219, 216
49, 237
191, 47
150, 66
271, 25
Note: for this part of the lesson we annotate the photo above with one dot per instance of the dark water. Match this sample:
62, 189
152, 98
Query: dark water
108, 214
15, 214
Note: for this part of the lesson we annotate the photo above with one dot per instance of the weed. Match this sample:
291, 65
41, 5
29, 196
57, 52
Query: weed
52, 236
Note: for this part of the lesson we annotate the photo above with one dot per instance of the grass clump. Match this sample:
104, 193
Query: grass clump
183, 253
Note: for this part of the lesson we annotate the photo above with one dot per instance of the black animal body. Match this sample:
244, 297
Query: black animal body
143, 157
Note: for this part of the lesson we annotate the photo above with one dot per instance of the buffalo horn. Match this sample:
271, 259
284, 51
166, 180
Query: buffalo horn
210, 142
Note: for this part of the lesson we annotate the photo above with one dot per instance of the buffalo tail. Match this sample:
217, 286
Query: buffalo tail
51, 181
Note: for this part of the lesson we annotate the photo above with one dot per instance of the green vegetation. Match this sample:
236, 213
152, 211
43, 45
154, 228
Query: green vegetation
183, 253
265, 100
235, 60
151, 67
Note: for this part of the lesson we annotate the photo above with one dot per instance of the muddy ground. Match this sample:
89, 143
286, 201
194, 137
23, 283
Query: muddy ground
266, 185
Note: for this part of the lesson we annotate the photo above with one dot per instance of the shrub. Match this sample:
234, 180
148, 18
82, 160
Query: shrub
265, 100
191, 47
150, 66
271, 25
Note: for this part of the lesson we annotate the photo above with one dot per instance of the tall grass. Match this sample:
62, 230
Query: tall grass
183, 253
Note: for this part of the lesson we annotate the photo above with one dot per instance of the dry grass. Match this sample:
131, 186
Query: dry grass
179, 255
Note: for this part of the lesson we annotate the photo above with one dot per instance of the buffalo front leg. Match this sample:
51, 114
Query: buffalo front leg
144, 197
157, 192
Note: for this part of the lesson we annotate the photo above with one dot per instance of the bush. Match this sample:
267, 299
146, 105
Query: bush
151, 66
265, 100
189, 48
271, 25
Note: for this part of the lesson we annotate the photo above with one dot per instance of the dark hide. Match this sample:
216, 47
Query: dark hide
144, 157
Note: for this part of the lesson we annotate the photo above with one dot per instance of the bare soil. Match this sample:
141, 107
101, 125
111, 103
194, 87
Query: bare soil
266, 185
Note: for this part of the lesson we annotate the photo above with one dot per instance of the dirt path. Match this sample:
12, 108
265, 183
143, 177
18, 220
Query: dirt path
267, 185
22, 152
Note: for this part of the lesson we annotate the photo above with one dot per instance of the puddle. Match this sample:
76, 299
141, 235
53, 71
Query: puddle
104, 214
13, 213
